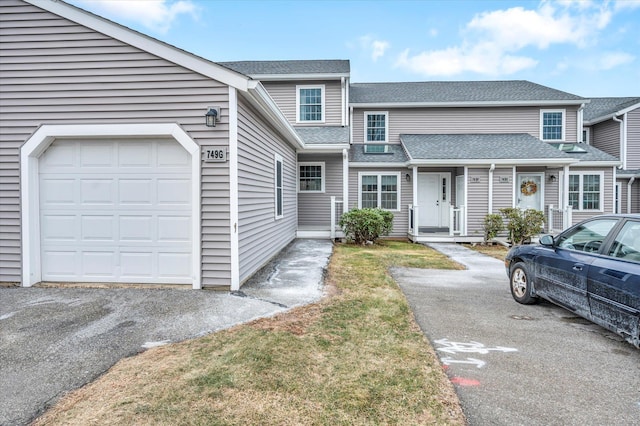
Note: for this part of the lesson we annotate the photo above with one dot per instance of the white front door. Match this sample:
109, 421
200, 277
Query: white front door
529, 191
434, 195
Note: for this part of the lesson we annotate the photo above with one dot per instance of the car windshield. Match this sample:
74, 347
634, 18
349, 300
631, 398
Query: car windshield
588, 236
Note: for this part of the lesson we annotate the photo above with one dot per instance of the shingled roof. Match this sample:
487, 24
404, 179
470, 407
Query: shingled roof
447, 92
603, 107
324, 135
298, 67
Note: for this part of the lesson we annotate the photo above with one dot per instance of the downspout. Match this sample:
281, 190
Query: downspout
580, 123
350, 127
623, 139
491, 169
629, 185
343, 112
345, 180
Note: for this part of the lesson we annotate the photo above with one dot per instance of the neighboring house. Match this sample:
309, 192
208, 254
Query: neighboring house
613, 125
110, 174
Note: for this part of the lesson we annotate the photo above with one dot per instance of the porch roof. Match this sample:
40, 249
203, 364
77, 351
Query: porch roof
323, 135
394, 154
520, 147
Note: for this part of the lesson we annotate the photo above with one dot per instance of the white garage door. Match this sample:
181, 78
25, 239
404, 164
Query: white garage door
115, 211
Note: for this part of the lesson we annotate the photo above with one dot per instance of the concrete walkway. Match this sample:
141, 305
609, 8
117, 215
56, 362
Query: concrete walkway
54, 340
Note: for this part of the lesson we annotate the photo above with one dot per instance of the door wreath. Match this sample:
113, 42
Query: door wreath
528, 187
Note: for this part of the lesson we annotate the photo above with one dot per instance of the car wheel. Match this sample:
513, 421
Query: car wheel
521, 285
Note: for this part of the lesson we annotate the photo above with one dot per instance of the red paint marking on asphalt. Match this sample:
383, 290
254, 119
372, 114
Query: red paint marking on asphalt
461, 381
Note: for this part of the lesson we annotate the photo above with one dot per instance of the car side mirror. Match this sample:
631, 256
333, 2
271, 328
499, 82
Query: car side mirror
547, 240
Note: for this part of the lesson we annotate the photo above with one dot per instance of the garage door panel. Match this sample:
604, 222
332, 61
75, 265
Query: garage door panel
57, 191
174, 228
98, 228
136, 191
172, 265
116, 211
96, 264
136, 228
174, 192
59, 264
97, 155
135, 154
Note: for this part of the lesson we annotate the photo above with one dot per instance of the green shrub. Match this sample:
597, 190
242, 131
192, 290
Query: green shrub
492, 226
362, 225
523, 224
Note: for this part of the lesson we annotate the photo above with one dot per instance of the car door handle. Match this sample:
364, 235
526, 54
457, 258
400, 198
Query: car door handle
578, 267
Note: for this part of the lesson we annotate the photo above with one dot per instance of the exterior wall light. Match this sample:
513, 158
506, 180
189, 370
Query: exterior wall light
552, 178
212, 116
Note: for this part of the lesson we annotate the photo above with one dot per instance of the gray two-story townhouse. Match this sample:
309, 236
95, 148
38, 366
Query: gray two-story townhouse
313, 96
127, 160
613, 125
443, 155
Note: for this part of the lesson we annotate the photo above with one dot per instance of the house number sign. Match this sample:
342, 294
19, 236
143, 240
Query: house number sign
215, 154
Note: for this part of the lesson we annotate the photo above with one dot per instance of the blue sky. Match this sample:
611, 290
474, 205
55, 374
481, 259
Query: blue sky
589, 48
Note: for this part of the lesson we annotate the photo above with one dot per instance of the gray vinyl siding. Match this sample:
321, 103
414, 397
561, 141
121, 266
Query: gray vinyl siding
58, 72
461, 120
284, 95
635, 197
315, 208
400, 218
477, 200
633, 139
606, 137
502, 191
261, 235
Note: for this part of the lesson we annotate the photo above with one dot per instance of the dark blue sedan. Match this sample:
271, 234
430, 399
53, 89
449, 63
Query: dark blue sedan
592, 269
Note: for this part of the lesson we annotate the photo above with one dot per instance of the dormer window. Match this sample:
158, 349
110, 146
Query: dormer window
552, 125
376, 126
310, 104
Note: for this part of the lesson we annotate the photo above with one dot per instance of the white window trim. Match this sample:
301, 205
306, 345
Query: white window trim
386, 125
379, 175
322, 92
564, 125
322, 176
580, 195
278, 159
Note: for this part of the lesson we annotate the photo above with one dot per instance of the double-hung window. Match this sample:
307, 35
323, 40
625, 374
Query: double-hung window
376, 126
379, 190
311, 177
552, 125
585, 191
278, 186
310, 104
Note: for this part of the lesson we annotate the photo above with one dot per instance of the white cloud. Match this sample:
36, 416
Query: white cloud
156, 15
377, 48
491, 41
609, 60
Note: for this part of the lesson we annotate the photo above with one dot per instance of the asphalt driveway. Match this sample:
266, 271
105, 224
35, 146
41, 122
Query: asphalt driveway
520, 365
53, 340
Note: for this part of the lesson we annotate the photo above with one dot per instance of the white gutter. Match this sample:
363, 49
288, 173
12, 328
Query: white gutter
609, 116
629, 184
491, 169
463, 104
320, 76
623, 139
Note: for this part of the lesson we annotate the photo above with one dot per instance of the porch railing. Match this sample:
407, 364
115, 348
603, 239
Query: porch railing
456, 220
337, 208
559, 218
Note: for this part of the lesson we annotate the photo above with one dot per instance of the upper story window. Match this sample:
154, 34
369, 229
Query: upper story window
552, 125
310, 104
376, 126
311, 177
